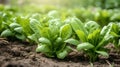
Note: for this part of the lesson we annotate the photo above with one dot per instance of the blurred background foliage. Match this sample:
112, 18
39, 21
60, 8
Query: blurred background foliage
105, 4
101, 11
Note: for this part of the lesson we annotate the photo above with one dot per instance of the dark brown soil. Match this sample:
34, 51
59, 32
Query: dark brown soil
17, 54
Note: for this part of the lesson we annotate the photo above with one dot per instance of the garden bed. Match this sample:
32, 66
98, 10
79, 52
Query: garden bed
19, 54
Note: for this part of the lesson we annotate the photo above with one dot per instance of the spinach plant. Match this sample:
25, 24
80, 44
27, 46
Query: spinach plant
18, 28
92, 39
51, 38
14, 30
5, 19
24, 22
115, 32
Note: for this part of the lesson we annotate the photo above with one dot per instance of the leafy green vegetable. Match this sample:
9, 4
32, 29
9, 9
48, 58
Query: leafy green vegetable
62, 54
103, 53
24, 22
44, 41
94, 41
81, 35
65, 31
15, 30
84, 46
43, 48
115, 32
50, 38
53, 30
6, 33
72, 41
77, 25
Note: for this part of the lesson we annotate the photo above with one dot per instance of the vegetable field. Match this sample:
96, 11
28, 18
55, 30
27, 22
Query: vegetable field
52, 36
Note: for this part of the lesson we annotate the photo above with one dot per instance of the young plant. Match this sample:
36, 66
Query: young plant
115, 32
24, 22
93, 39
14, 30
51, 38
5, 19
36, 28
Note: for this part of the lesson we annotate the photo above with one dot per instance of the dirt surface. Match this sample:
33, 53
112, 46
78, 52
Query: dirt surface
17, 54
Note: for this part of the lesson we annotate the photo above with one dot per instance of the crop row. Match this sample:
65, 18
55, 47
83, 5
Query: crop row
56, 34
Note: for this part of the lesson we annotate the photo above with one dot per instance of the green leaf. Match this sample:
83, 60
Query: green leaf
44, 40
45, 32
91, 26
43, 48
82, 36
115, 28
114, 34
54, 26
33, 38
119, 42
65, 31
58, 42
103, 53
106, 30
53, 14
94, 34
105, 35
68, 49
94, 37
14, 25
18, 29
6, 33
62, 54
84, 46
25, 24
77, 25
72, 41
20, 36
36, 27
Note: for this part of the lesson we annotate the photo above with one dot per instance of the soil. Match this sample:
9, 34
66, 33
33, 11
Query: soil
19, 54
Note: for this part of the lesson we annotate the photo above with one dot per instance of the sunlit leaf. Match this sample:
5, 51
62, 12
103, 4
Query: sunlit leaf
82, 36
6, 33
65, 31
18, 30
84, 46
44, 41
62, 54
42, 48
103, 53
72, 41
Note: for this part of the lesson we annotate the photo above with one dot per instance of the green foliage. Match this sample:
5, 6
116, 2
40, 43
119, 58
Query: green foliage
14, 30
35, 27
65, 31
115, 32
5, 18
94, 41
54, 31
24, 23
51, 38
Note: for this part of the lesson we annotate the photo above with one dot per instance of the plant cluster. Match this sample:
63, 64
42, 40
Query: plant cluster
55, 32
